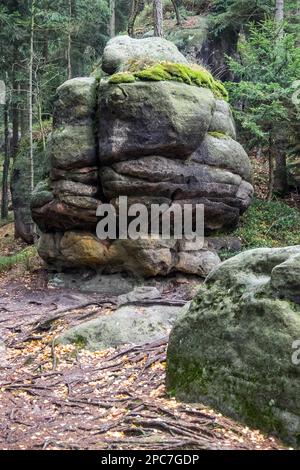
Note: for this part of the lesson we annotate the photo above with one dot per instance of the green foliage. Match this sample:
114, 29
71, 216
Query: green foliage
262, 94
269, 224
191, 75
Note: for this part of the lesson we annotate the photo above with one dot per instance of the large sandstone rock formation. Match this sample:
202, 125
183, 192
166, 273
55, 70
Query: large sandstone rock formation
235, 348
152, 140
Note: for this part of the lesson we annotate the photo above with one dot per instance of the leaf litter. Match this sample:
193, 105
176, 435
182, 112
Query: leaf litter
55, 396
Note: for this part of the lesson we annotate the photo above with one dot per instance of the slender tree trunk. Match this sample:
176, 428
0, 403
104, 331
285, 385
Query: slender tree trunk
30, 95
135, 5
112, 22
4, 201
69, 48
15, 109
158, 18
178, 19
24, 113
271, 172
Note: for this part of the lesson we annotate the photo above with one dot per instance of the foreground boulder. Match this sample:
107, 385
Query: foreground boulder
233, 348
127, 325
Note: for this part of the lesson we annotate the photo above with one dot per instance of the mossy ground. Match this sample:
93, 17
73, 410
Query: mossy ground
164, 71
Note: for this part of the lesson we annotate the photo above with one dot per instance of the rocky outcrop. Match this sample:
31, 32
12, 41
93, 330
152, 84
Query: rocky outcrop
234, 349
154, 140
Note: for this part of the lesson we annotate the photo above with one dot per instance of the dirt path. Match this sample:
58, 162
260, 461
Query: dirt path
62, 397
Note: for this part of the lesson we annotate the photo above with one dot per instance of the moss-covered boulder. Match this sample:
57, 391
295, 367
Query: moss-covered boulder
21, 183
122, 49
233, 348
69, 198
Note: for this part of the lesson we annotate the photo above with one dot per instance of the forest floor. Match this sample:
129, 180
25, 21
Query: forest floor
63, 397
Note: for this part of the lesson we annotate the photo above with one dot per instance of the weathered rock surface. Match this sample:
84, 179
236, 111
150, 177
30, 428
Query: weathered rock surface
75, 102
127, 325
233, 348
122, 49
155, 142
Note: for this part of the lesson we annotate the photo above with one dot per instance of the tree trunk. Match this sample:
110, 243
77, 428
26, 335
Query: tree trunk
4, 201
112, 22
279, 15
30, 95
135, 6
158, 18
178, 19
